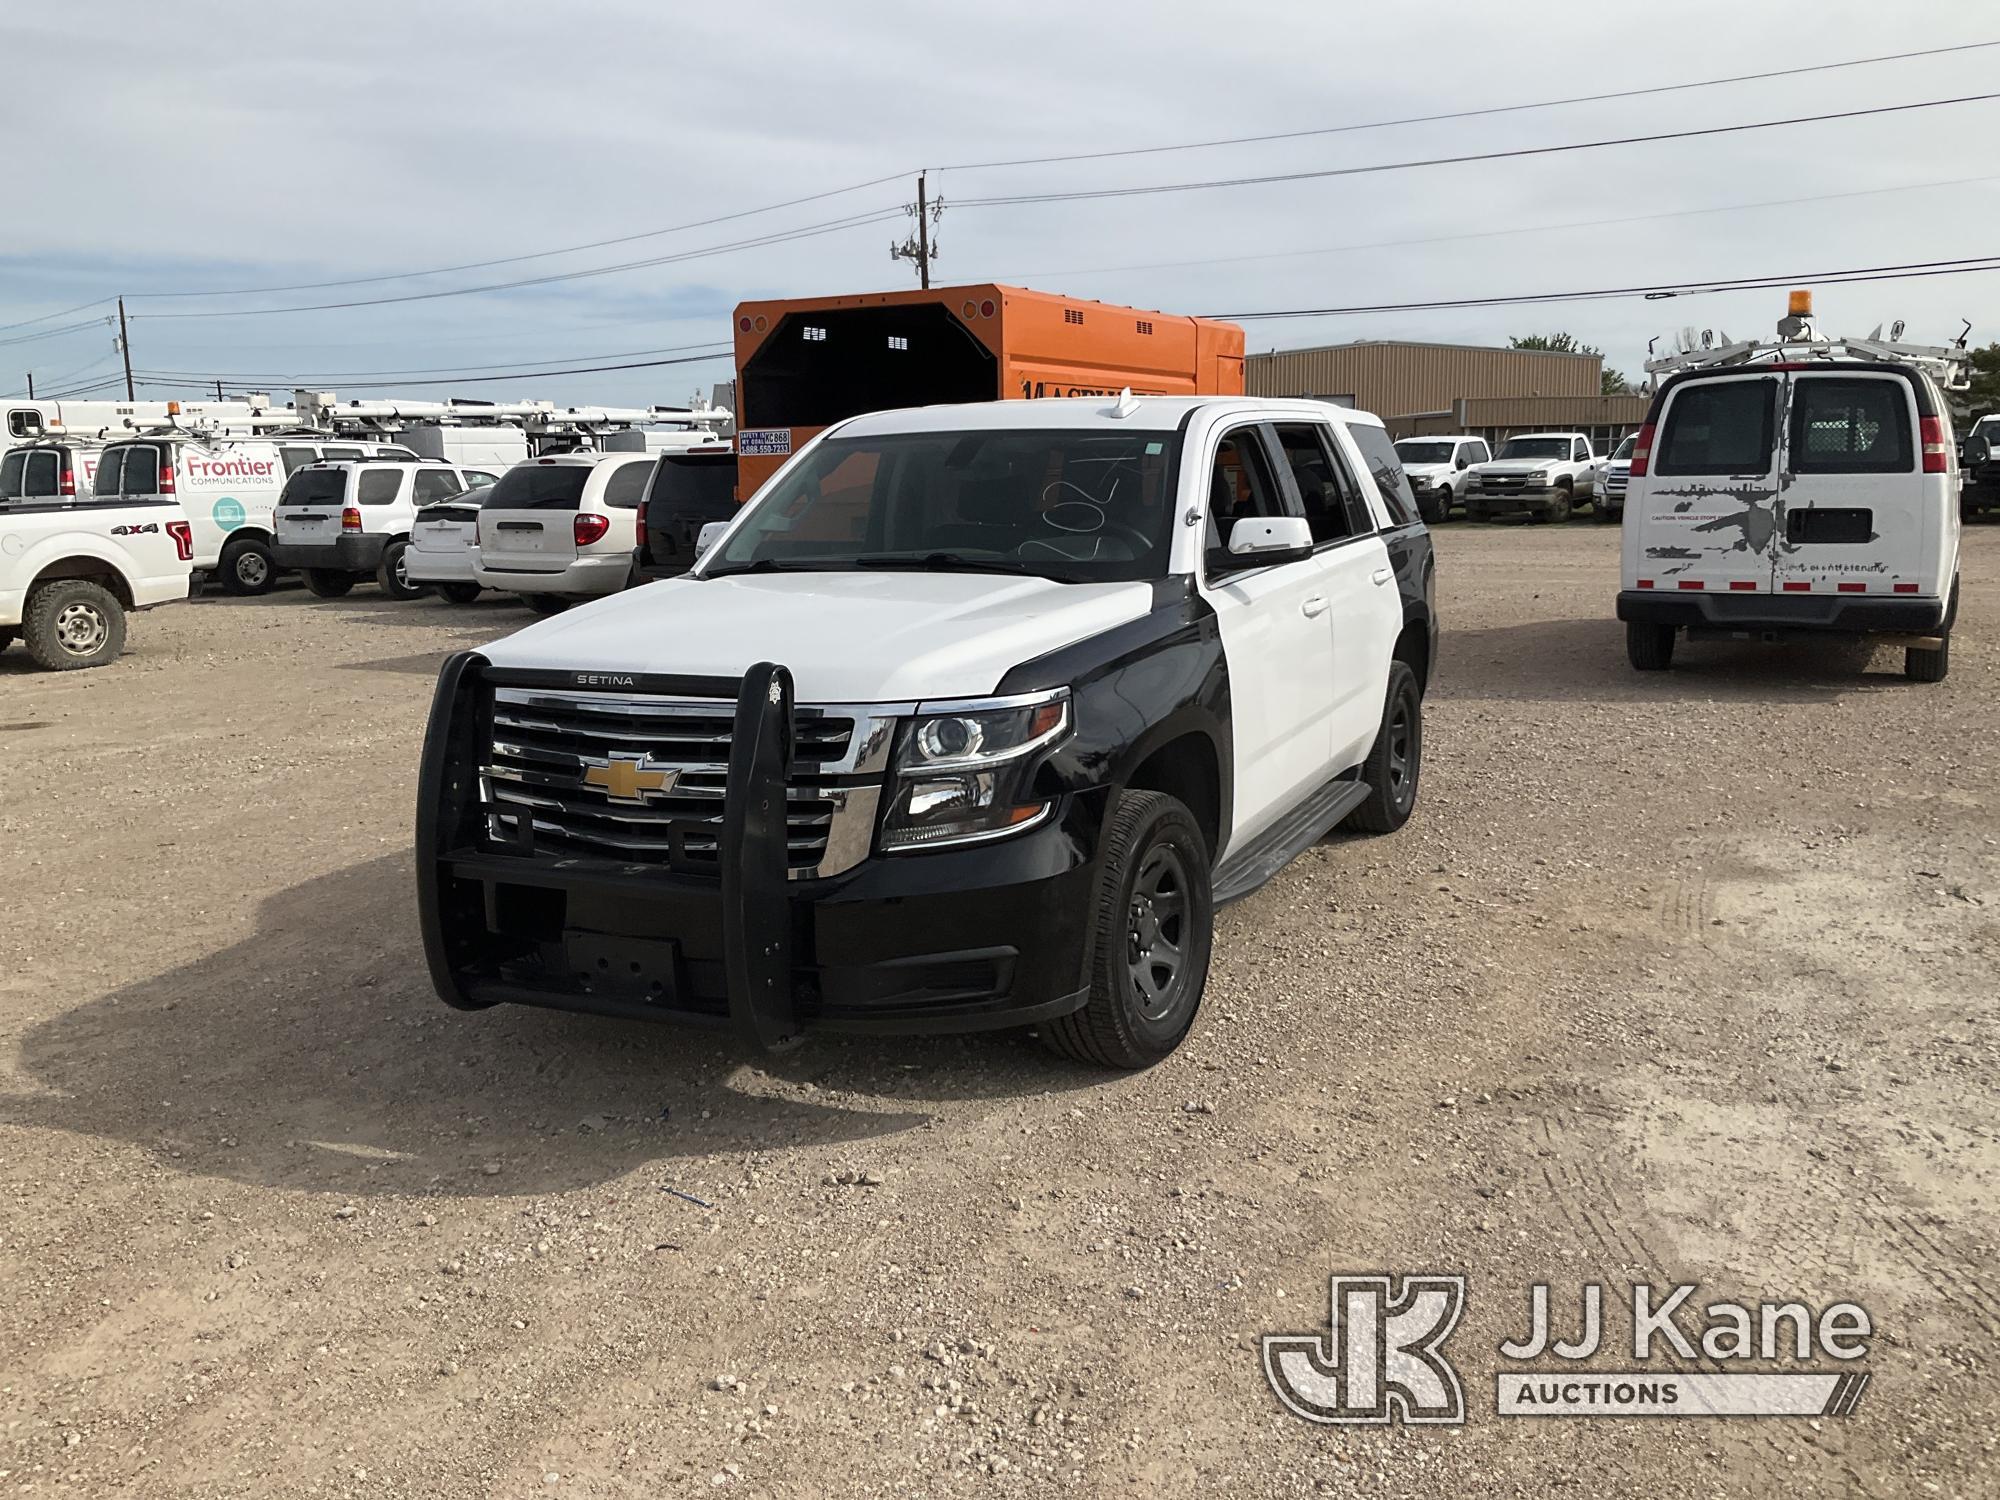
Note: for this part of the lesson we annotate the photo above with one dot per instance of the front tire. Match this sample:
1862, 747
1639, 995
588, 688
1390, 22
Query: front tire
392, 574
459, 593
1559, 505
325, 583
1649, 647
73, 623
247, 568
1154, 922
1604, 513
545, 604
7, 637
1921, 664
1396, 761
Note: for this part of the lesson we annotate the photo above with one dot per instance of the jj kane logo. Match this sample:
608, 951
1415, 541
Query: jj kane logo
1382, 1358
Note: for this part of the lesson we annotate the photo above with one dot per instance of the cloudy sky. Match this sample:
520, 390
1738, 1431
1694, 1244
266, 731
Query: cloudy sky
219, 149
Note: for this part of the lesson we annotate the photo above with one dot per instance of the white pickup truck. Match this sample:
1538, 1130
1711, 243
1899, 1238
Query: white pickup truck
71, 566
1541, 473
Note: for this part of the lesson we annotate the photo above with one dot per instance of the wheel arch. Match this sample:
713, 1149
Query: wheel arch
91, 567
1186, 764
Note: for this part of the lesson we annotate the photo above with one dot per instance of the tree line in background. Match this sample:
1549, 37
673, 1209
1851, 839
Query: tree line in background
1610, 382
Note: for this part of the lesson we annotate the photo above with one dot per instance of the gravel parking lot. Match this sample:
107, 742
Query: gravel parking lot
1680, 978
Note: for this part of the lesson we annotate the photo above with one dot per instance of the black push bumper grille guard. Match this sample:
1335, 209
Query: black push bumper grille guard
754, 856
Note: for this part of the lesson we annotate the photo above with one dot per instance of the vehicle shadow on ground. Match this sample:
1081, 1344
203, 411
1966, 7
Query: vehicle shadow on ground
1574, 660
313, 1055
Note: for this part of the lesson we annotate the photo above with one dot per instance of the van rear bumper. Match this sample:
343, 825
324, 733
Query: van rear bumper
1834, 613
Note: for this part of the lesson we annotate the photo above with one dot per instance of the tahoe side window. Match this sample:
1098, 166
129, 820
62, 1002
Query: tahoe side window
1718, 427
1387, 470
378, 486
1240, 485
1322, 490
1850, 426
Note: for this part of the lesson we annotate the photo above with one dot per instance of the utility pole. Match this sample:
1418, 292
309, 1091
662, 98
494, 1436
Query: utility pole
218, 390
125, 348
918, 247
31, 385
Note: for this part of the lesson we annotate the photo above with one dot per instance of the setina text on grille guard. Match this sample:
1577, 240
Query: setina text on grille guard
950, 940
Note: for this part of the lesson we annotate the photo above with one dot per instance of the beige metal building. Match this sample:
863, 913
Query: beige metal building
1453, 388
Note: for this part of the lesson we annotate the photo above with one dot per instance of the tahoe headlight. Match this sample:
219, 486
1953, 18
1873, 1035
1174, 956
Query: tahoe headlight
963, 771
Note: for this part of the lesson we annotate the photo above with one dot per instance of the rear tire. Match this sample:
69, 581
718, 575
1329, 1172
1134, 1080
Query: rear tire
1150, 942
1395, 763
459, 593
246, 567
1650, 647
1921, 664
545, 604
392, 574
73, 623
325, 583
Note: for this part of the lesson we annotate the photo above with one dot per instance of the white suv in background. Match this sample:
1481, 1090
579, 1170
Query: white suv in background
1439, 469
338, 523
559, 529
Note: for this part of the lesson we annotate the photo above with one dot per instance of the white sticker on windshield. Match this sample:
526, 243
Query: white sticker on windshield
1153, 448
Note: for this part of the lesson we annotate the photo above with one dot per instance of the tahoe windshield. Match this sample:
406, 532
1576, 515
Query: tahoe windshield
1424, 453
1554, 447
1089, 506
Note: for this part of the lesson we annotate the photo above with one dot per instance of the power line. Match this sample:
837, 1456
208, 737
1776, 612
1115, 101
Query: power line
1909, 270
511, 260
45, 317
1019, 199
1540, 226
52, 333
780, 237
1465, 114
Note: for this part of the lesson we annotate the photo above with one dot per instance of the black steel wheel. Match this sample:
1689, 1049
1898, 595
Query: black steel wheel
1150, 945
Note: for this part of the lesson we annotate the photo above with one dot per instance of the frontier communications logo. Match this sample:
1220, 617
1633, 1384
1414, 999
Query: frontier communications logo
1383, 1357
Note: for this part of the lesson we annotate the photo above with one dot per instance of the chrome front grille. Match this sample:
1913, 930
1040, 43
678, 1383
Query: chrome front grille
641, 779
1503, 484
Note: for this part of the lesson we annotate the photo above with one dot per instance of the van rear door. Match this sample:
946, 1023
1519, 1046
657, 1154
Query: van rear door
1854, 518
1708, 516
527, 522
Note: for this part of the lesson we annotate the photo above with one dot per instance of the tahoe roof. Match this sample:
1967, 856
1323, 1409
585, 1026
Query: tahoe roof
1149, 414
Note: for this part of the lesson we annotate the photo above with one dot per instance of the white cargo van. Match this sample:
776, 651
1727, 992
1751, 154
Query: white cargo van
229, 487
1806, 485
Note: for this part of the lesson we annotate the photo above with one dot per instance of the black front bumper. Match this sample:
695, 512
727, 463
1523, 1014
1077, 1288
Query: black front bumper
357, 552
947, 940
1848, 614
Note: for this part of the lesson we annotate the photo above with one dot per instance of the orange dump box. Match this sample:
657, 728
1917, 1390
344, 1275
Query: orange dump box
804, 363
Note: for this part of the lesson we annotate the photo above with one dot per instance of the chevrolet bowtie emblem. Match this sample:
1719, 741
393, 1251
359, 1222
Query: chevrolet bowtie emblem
627, 778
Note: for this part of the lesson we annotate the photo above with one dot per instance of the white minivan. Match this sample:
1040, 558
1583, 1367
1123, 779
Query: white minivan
558, 529
339, 523
229, 487
1802, 495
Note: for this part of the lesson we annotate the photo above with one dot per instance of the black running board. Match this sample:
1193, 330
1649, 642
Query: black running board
1286, 839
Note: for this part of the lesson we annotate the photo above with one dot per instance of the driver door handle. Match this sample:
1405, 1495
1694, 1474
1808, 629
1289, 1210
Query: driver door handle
1382, 575
1316, 605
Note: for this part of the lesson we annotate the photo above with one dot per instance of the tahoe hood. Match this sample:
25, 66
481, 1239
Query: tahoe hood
847, 637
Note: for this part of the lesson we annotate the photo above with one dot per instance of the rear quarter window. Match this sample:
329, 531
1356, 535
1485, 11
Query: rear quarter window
378, 486
1719, 427
1387, 471
1850, 426
627, 485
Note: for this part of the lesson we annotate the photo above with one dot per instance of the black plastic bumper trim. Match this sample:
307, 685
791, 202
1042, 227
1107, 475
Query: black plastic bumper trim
1834, 613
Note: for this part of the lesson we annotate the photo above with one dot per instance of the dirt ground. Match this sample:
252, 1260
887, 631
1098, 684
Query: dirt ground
1682, 978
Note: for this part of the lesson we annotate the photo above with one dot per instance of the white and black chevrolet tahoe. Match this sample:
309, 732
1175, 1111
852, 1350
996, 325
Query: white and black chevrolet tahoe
969, 720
